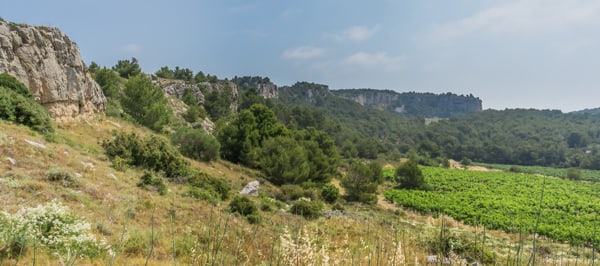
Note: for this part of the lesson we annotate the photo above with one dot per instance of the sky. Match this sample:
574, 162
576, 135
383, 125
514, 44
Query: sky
542, 54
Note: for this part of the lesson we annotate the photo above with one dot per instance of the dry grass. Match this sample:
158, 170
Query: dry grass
192, 232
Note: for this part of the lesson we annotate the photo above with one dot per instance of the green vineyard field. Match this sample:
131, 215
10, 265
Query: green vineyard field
510, 202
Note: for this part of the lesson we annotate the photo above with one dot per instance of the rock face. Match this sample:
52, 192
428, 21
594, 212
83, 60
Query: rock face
223, 86
414, 104
176, 88
263, 86
50, 65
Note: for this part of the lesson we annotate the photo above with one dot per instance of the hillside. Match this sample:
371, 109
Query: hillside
157, 178
141, 224
413, 103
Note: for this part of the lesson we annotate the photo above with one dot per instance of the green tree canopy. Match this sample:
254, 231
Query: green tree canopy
165, 72
409, 176
244, 134
284, 161
109, 81
146, 103
361, 181
127, 68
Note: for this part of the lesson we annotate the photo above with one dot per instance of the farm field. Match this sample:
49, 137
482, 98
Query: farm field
586, 174
509, 201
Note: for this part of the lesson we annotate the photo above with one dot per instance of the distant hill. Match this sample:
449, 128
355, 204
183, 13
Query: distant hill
414, 103
591, 111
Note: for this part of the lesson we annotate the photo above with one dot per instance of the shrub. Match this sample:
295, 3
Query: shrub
196, 144
65, 178
410, 176
14, 84
53, 227
18, 106
202, 194
361, 182
217, 186
310, 209
574, 174
150, 181
245, 207
330, 193
153, 152
119, 163
290, 193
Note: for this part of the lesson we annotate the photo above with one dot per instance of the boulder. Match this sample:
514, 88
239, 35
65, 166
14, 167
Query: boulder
251, 189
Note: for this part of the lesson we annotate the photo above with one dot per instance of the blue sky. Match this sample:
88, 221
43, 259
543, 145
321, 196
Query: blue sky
541, 54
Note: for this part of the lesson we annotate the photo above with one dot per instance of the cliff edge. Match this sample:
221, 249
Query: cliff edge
50, 65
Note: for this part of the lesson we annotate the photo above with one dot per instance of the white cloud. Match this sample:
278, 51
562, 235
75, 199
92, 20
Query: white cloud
305, 52
525, 16
376, 60
133, 48
356, 33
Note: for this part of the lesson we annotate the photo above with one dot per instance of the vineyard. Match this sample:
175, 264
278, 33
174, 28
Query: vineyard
510, 202
586, 174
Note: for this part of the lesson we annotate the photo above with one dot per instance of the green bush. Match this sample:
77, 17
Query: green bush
196, 144
310, 209
21, 108
215, 185
202, 194
152, 152
245, 207
361, 182
290, 193
119, 163
14, 84
409, 176
64, 177
330, 193
151, 181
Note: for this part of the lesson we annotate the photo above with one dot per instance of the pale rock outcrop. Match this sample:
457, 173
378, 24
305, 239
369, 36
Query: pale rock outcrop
176, 88
224, 86
50, 65
251, 188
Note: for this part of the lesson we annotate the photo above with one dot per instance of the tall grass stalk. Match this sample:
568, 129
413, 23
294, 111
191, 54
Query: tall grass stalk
172, 224
123, 232
537, 223
151, 239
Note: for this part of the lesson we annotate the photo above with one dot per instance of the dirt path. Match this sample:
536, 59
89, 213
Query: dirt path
385, 204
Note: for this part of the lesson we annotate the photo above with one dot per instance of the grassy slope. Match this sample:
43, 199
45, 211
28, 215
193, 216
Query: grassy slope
189, 231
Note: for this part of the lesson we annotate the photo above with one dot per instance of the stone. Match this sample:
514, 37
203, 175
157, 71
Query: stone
251, 189
50, 65
333, 213
113, 176
11, 160
88, 166
35, 144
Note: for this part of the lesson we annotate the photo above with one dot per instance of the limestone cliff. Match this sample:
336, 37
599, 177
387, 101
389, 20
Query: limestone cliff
263, 86
413, 103
223, 86
50, 65
176, 88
